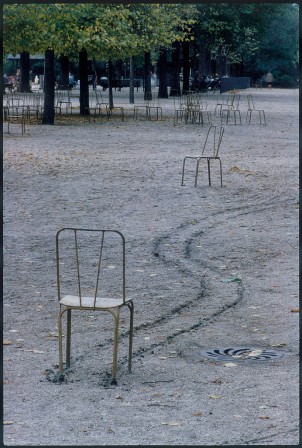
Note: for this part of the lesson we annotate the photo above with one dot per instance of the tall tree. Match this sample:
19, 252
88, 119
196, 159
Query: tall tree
49, 82
163, 88
24, 69
175, 70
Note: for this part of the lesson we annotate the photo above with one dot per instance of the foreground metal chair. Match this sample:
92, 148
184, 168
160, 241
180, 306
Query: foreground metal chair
209, 152
90, 260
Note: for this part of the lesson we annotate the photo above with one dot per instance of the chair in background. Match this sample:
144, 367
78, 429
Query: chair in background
91, 277
251, 109
232, 110
223, 101
209, 152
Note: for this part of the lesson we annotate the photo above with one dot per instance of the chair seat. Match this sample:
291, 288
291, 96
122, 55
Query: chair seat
88, 302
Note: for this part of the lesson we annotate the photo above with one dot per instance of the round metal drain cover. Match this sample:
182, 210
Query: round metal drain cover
241, 354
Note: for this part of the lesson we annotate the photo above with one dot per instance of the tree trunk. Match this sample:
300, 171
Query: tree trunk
64, 72
131, 81
186, 67
49, 88
204, 67
163, 88
175, 79
110, 83
148, 91
84, 90
24, 72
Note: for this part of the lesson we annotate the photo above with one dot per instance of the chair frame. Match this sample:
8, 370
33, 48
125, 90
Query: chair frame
114, 310
251, 109
218, 134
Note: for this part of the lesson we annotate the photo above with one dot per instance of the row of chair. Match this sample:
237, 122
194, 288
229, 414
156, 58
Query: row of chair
227, 108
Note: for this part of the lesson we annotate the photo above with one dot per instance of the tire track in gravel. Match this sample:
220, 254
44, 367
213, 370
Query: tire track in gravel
184, 269
170, 321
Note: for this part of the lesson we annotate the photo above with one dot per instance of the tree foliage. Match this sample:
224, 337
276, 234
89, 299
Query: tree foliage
105, 31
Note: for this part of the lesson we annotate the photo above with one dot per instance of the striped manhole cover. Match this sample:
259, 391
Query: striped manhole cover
240, 354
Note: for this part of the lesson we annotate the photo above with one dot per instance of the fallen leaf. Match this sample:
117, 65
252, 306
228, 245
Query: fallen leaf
197, 414
215, 396
231, 279
217, 381
119, 397
33, 350
230, 364
295, 310
171, 423
6, 342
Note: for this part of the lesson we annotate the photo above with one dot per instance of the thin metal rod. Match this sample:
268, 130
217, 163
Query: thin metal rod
131, 308
115, 345
68, 338
78, 266
60, 343
99, 269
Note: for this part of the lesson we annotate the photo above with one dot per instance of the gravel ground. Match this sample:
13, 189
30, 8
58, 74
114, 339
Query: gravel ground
184, 246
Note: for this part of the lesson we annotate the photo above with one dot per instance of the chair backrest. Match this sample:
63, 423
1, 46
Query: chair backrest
17, 102
90, 263
250, 102
230, 99
213, 141
236, 101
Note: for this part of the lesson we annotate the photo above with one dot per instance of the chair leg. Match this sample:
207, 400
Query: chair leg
239, 115
220, 172
263, 115
68, 338
196, 172
248, 117
209, 172
183, 171
131, 308
115, 346
60, 345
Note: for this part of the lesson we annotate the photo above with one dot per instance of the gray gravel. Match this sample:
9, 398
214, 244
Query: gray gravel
184, 245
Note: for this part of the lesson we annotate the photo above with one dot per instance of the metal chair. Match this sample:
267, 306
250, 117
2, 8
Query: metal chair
251, 109
209, 152
90, 261
228, 110
224, 100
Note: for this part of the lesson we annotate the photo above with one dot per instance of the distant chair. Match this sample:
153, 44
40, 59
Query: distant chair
209, 152
91, 277
223, 101
251, 109
231, 113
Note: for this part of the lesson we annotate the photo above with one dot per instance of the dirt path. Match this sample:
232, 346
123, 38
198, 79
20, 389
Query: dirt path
184, 244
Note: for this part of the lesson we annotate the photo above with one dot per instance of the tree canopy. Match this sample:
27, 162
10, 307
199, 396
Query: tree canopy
105, 31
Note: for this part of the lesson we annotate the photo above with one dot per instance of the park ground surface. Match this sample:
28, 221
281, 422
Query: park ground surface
208, 268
